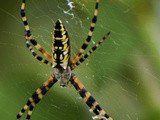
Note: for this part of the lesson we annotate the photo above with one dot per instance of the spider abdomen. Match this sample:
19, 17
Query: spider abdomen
60, 46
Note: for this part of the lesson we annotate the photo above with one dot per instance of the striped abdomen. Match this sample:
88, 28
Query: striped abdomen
60, 46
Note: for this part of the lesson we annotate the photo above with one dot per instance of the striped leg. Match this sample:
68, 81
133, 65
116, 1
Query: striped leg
90, 101
36, 97
82, 59
28, 33
35, 55
92, 26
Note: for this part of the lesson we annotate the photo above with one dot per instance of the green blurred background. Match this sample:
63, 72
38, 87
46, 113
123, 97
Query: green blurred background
123, 74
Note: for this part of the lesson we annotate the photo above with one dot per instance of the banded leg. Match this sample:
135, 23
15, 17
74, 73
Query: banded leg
90, 101
35, 55
36, 97
82, 59
28, 33
92, 26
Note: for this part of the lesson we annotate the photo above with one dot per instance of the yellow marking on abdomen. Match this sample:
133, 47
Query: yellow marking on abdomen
65, 57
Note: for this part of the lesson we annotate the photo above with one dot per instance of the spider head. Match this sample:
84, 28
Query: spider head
62, 75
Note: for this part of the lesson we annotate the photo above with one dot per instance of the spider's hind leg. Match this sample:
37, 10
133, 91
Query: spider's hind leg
82, 59
29, 35
35, 55
90, 33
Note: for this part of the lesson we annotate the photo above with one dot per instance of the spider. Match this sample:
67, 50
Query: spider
62, 63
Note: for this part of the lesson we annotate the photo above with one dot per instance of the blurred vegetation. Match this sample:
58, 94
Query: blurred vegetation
123, 74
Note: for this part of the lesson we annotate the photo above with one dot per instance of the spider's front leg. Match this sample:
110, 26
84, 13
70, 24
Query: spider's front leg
90, 101
36, 97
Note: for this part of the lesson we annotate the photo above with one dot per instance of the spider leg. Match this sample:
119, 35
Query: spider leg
35, 55
36, 97
82, 59
88, 39
89, 100
28, 33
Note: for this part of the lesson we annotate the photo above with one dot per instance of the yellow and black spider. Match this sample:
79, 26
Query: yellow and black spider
63, 64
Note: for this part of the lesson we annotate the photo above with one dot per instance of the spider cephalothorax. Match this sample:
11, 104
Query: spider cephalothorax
62, 75
63, 64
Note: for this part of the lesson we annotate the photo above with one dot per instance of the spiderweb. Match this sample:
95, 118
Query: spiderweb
114, 74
